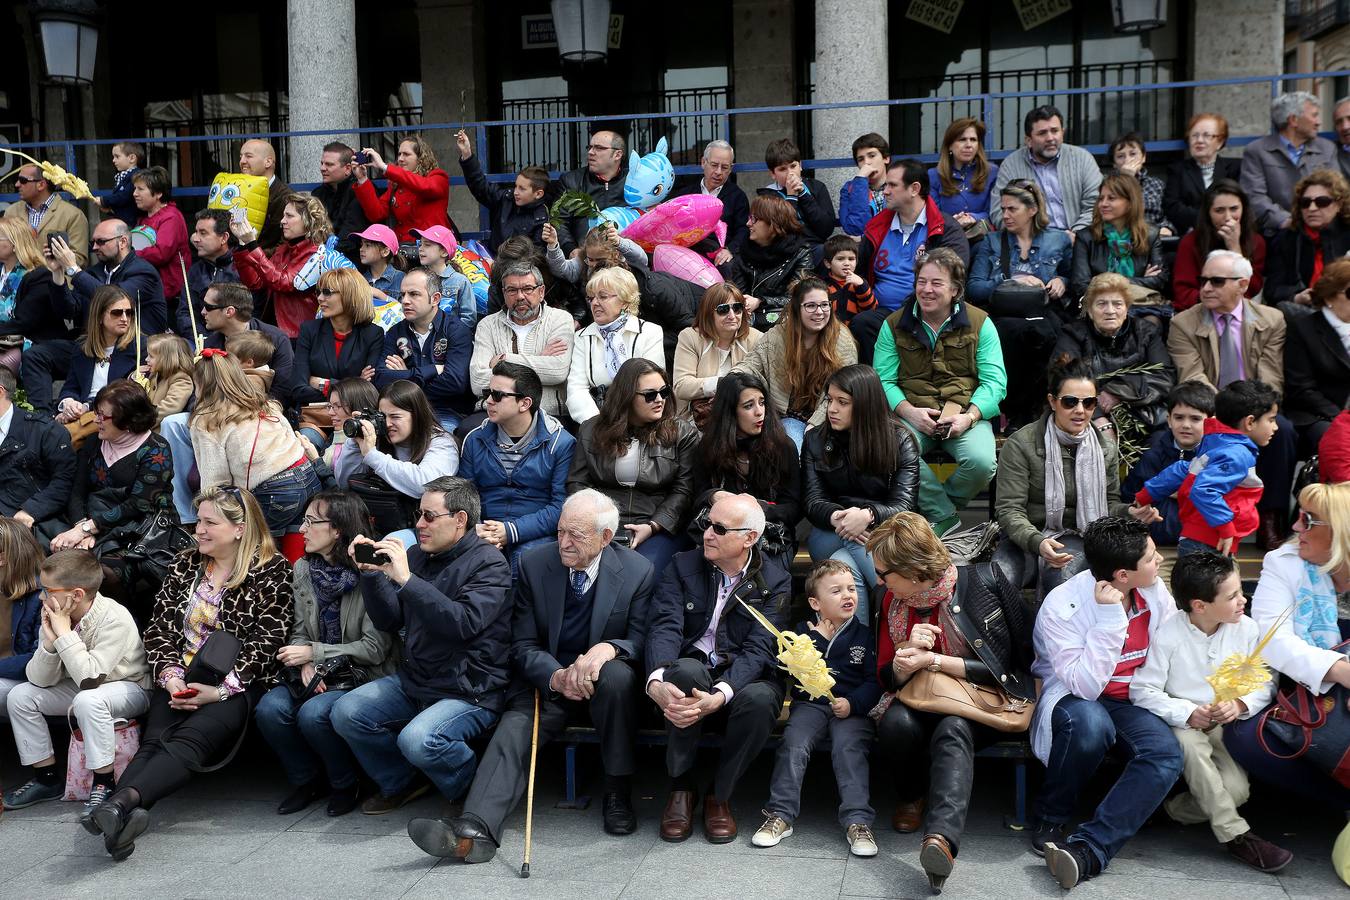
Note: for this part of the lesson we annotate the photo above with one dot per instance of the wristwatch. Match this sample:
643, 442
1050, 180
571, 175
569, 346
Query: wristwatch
87, 526
224, 693
936, 664
72, 271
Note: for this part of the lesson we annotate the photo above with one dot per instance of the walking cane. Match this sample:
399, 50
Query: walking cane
529, 797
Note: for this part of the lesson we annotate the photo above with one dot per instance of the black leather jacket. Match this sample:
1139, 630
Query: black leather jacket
665, 482
1093, 257
1137, 343
837, 484
768, 273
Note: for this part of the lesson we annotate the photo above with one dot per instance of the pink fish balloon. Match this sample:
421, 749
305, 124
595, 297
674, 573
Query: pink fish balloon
684, 221
685, 263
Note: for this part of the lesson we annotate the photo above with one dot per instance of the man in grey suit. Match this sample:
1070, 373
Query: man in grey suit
578, 631
1272, 165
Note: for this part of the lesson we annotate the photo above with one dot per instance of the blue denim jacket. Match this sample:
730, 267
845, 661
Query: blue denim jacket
1051, 256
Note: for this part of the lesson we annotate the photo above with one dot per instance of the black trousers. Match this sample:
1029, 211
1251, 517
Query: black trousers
203, 738
746, 722
1275, 467
504, 769
42, 365
937, 754
1027, 345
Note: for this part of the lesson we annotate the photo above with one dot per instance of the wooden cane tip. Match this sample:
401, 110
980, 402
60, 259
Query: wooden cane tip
525, 870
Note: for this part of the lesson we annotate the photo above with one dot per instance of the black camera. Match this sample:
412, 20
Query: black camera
352, 427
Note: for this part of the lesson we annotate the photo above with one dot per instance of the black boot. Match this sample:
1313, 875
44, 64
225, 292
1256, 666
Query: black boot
951, 775
121, 820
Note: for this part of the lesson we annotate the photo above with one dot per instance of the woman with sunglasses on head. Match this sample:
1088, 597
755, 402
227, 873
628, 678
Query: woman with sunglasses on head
344, 342
617, 333
1311, 574
718, 340
746, 451
1055, 476
107, 353
1318, 233
235, 583
333, 633
637, 453
304, 229
858, 469
1226, 222
775, 257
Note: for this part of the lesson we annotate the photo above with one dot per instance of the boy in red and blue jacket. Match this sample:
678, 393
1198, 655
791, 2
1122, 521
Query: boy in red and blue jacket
1218, 489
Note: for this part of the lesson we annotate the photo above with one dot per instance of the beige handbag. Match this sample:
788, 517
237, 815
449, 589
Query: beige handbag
946, 695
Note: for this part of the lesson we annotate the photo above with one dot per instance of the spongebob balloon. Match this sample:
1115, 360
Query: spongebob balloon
649, 178
246, 192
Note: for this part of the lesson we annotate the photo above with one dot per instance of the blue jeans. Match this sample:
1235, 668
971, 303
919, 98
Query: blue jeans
825, 545
316, 437
1186, 546
659, 548
796, 429
394, 735
174, 430
1084, 730
284, 496
448, 419
304, 738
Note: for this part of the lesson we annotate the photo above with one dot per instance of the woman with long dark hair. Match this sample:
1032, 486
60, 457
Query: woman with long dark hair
1119, 239
746, 451
858, 469
962, 182
1225, 222
718, 340
637, 453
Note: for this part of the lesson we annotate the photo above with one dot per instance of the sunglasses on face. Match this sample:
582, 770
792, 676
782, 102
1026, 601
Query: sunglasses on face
21, 180
327, 292
215, 307
723, 308
1306, 521
99, 242
120, 313
653, 395
426, 515
1070, 402
1217, 281
1319, 202
721, 530
499, 396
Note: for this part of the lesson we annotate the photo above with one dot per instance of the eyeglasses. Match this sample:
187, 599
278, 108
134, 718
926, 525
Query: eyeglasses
751, 220
520, 291
816, 307
882, 573
121, 312
598, 148
310, 521
48, 595
1202, 135
1071, 402
1306, 521
99, 242
22, 180
719, 529
100, 416
651, 396
723, 308
1217, 281
499, 396
426, 515
327, 292
1321, 202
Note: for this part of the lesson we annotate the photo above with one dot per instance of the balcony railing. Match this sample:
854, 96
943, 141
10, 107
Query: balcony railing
1320, 16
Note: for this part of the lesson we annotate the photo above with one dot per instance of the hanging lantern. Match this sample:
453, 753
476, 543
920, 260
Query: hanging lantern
68, 32
582, 29
1135, 16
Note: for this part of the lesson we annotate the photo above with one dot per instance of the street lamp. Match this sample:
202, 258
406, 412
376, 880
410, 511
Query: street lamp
582, 29
1134, 16
69, 35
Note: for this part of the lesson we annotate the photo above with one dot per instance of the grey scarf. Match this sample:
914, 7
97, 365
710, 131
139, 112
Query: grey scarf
1089, 472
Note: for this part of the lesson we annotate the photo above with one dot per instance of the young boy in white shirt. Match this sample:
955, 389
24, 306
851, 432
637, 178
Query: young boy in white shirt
1172, 685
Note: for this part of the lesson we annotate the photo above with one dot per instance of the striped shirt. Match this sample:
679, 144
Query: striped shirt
35, 216
511, 451
1135, 650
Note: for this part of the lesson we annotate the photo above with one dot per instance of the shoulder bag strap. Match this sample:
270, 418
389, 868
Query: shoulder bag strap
1006, 262
248, 473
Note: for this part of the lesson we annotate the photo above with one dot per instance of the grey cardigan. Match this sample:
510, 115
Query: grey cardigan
367, 647
1080, 180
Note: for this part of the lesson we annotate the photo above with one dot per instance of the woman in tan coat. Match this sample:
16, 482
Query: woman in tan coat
718, 340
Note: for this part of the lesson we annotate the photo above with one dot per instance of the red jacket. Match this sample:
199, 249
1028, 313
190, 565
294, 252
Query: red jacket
1217, 490
415, 201
171, 245
1186, 271
1333, 453
291, 308
942, 232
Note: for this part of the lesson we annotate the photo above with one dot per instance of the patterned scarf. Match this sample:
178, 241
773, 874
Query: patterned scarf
1315, 609
930, 606
616, 353
1120, 258
1089, 475
330, 583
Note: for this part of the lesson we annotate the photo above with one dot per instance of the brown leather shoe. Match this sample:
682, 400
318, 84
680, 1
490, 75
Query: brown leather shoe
1270, 532
936, 858
908, 816
719, 825
677, 819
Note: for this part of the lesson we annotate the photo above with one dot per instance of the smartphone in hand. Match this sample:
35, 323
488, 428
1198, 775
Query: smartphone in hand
361, 158
185, 694
366, 553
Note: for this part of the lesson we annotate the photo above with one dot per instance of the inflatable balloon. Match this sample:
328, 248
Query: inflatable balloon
388, 314
621, 216
649, 178
473, 261
685, 263
685, 220
325, 258
247, 192
143, 237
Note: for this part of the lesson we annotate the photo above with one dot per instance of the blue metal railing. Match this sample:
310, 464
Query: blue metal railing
66, 149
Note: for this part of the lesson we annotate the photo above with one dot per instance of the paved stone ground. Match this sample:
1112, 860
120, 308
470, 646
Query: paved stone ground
221, 837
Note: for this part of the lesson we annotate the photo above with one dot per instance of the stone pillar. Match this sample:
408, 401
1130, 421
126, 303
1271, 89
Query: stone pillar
454, 86
323, 90
764, 74
1234, 39
850, 38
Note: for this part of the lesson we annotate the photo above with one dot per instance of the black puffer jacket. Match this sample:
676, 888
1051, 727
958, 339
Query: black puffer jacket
1137, 343
835, 484
669, 302
768, 273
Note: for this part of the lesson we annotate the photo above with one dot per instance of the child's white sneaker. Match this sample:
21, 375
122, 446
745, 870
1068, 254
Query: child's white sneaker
772, 831
860, 841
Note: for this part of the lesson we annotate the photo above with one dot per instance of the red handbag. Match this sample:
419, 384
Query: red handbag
1319, 726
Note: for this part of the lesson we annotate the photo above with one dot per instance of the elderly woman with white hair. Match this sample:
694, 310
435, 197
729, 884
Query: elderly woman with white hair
615, 335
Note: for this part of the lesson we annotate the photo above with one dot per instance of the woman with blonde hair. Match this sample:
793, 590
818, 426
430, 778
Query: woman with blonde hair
232, 587
418, 193
616, 334
107, 353
343, 343
25, 308
983, 638
20, 602
240, 437
962, 182
718, 340
797, 357
304, 228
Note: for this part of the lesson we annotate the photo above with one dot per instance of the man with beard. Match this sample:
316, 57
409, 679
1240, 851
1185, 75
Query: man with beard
1068, 176
430, 348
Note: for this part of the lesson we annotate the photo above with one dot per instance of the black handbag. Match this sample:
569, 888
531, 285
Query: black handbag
335, 674
216, 659
158, 541
1013, 299
390, 510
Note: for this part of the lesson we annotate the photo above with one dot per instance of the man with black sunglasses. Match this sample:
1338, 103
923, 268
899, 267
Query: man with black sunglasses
712, 664
47, 213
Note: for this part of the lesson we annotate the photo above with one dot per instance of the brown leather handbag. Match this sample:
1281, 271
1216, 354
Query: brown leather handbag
946, 695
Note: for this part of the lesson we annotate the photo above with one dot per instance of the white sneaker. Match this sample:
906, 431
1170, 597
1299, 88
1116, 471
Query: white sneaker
860, 841
771, 832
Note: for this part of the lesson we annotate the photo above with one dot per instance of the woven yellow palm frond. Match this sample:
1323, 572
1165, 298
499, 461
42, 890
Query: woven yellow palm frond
798, 655
1242, 673
59, 177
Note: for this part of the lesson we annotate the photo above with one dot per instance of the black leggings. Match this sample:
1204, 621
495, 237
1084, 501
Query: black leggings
203, 738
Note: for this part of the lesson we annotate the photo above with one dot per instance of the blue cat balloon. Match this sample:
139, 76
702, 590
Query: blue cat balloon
649, 179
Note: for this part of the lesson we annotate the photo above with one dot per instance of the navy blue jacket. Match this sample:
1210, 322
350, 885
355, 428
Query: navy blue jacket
682, 609
506, 219
814, 209
26, 619
529, 500
39, 467
81, 376
283, 356
134, 275
735, 213
119, 199
449, 345
852, 657
1162, 452
203, 274
316, 354
34, 315
455, 612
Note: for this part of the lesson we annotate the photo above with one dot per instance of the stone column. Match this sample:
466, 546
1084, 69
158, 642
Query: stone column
454, 86
850, 39
1234, 39
323, 90
764, 74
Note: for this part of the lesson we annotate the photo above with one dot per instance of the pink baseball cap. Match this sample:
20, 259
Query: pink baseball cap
381, 234
439, 234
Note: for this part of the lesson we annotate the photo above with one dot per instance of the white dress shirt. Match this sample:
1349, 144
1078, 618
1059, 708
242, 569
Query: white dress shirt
1171, 683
